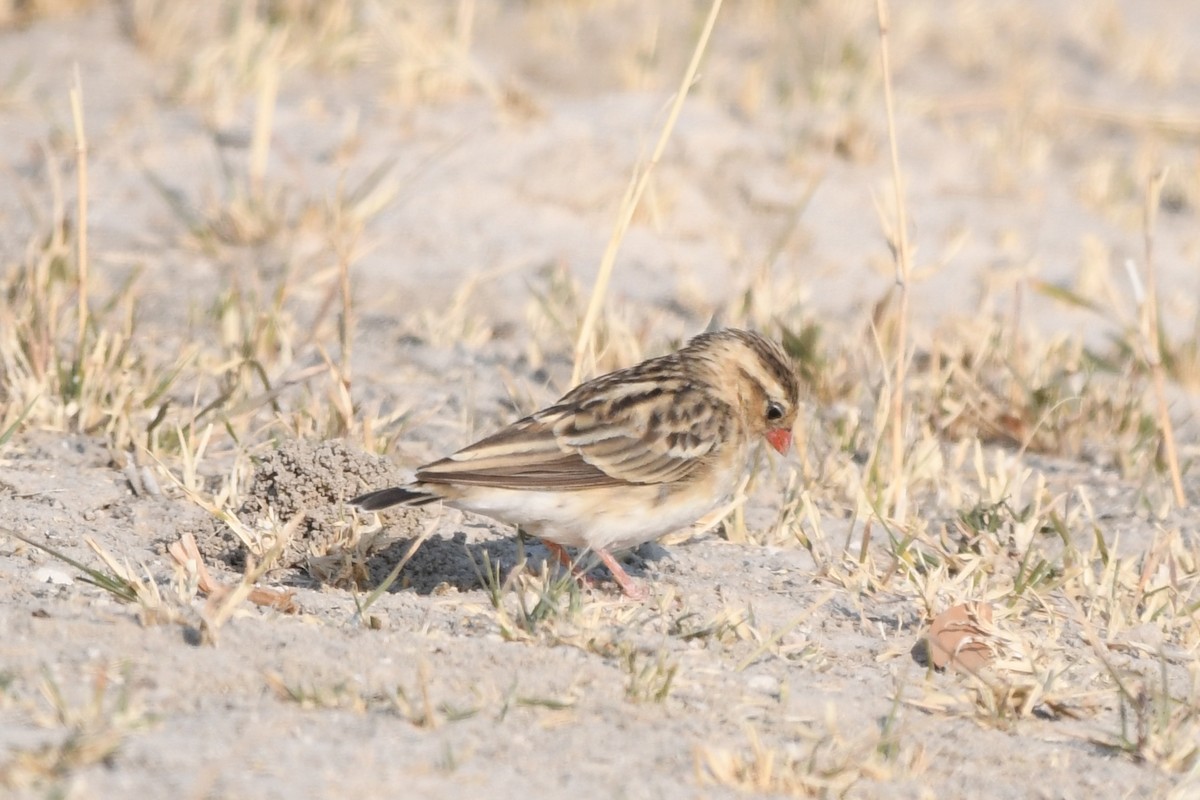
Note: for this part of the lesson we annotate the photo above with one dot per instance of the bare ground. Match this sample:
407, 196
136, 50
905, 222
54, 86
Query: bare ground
778, 654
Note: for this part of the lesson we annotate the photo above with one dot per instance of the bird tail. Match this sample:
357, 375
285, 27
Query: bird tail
395, 496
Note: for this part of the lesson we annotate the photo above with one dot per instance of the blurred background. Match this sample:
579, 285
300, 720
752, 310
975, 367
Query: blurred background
436, 144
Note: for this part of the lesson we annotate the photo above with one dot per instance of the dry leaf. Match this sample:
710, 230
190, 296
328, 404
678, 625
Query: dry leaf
185, 550
960, 634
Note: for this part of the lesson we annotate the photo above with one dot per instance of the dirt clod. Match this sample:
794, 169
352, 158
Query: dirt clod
312, 479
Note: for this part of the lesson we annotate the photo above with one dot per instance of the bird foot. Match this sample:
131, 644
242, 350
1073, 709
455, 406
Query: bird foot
632, 589
563, 557
629, 586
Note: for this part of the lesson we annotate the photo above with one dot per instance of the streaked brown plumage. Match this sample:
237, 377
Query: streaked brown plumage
626, 457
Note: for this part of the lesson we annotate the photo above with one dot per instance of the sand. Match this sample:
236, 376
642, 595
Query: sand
487, 190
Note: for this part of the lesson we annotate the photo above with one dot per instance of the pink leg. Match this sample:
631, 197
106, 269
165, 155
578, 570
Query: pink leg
564, 558
559, 552
631, 589
627, 584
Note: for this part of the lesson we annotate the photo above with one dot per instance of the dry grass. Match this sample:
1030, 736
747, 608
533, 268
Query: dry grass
585, 350
820, 761
87, 733
920, 440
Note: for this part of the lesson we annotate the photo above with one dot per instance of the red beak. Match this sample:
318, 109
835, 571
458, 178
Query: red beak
780, 439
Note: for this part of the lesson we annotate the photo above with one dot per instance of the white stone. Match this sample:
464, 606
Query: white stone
52, 575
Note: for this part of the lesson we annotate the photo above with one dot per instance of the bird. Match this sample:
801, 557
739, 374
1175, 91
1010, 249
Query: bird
625, 457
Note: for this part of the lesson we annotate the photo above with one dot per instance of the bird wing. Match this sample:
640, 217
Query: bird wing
633, 435
525, 455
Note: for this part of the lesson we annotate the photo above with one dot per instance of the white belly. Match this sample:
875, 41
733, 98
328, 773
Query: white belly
600, 519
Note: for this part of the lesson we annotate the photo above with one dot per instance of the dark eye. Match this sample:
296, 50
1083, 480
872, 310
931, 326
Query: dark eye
774, 411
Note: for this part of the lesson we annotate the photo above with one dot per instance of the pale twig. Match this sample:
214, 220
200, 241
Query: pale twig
264, 116
341, 374
903, 276
633, 196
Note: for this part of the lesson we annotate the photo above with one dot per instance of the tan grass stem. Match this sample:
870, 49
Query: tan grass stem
346, 323
897, 411
1151, 344
264, 119
629, 204
81, 200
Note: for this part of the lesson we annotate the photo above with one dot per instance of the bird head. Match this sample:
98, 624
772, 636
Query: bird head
755, 376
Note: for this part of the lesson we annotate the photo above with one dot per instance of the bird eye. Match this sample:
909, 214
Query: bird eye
774, 411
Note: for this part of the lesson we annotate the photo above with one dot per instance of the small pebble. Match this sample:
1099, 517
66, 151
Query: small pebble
53, 576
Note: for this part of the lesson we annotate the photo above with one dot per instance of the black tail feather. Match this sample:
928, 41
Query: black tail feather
395, 496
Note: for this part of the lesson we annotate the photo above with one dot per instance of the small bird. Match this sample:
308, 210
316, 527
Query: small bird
626, 457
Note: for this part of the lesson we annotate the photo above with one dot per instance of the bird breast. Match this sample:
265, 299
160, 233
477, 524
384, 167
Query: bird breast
607, 518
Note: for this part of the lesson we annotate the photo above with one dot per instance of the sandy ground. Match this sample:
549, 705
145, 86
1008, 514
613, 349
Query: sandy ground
756, 666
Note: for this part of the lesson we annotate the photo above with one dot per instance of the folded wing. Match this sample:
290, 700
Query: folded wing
639, 435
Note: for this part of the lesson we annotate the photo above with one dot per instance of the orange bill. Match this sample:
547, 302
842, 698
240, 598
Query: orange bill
780, 439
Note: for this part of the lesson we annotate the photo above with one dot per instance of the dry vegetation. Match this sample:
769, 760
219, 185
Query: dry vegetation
1013, 446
